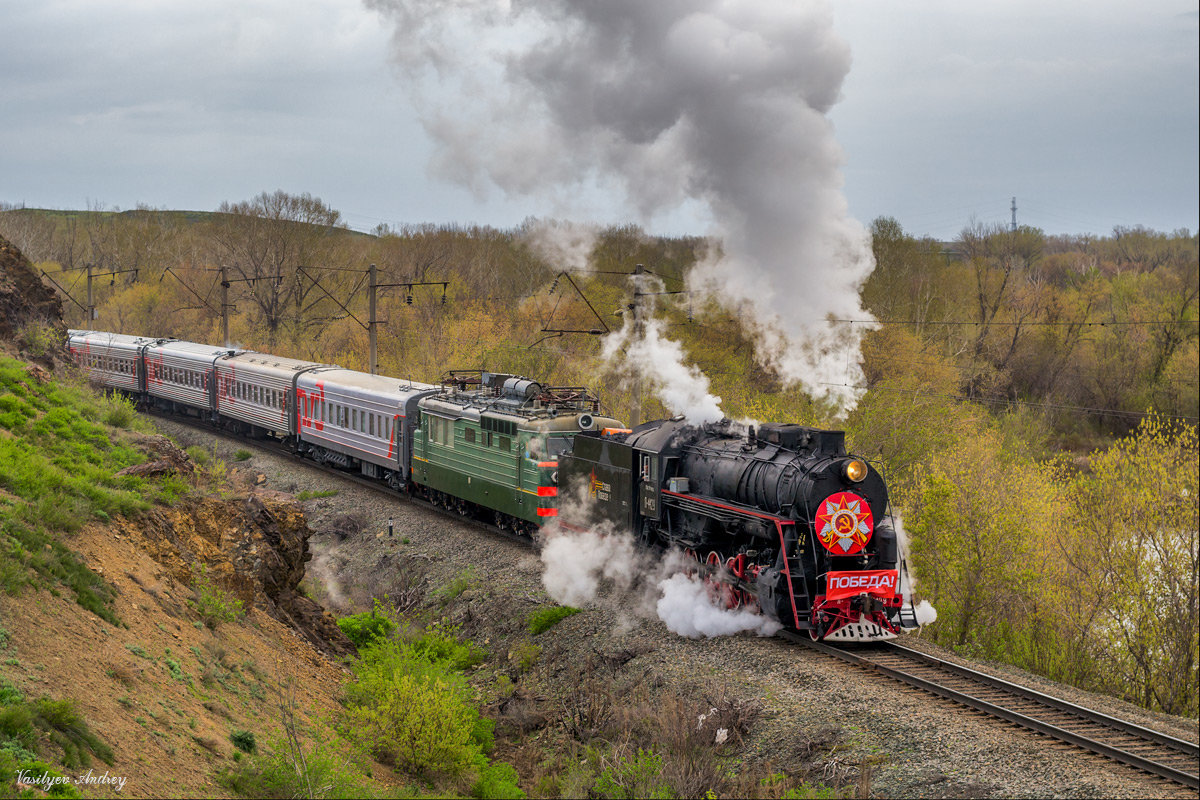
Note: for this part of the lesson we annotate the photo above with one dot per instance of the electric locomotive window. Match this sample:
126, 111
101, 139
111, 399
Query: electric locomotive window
506, 444
371, 424
469, 435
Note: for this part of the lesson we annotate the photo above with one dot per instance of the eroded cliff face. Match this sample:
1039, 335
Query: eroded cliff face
25, 302
253, 545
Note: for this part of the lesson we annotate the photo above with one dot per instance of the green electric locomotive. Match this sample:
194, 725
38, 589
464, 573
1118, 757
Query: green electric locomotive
487, 445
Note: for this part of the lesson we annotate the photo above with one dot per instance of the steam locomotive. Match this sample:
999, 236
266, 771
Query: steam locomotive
780, 518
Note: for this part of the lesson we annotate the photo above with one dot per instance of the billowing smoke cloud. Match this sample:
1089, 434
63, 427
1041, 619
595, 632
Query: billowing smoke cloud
645, 347
712, 104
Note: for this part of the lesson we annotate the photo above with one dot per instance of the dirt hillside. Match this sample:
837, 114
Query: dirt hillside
26, 303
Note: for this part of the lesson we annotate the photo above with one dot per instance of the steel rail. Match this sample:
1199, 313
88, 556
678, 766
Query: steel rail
1146, 764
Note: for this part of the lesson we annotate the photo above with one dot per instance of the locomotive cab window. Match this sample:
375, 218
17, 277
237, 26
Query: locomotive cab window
649, 470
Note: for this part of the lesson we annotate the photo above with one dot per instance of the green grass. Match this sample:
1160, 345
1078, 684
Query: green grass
30, 731
60, 450
544, 619
307, 495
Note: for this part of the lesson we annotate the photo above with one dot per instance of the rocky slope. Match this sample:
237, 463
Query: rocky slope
27, 305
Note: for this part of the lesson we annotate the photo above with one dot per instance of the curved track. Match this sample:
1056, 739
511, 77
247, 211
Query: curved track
1157, 753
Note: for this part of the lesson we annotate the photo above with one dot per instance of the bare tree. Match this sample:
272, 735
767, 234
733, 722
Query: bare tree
266, 241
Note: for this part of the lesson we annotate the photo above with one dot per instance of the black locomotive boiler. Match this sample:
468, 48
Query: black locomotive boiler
779, 518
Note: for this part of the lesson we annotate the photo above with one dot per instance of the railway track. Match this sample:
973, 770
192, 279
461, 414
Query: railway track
1159, 754
1150, 751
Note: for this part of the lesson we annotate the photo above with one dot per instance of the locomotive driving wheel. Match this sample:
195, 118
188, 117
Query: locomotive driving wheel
719, 592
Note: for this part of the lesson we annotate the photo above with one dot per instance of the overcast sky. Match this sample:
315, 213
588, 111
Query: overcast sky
1087, 112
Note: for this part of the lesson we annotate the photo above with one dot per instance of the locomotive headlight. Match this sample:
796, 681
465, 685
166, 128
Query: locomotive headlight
854, 471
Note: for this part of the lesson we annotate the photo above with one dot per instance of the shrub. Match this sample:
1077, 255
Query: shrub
543, 619
198, 454
440, 645
242, 455
326, 769
634, 777
244, 741
41, 774
37, 339
367, 626
461, 583
214, 604
412, 709
524, 655
118, 411
418, 722
496, 782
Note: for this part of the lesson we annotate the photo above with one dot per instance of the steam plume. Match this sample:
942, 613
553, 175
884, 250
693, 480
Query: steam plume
716, 105
683, 389
925, 612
